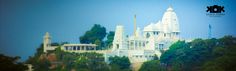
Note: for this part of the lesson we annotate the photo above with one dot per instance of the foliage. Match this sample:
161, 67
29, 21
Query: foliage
39, 62
153, 65
82, 61
91, 63
98, 43
201, 55
96, 33
96, 36
120, 63
110, 38
11, 64
224, 56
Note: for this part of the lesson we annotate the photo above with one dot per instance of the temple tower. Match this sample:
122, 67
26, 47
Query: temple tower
119, 38
46, 42
135, 26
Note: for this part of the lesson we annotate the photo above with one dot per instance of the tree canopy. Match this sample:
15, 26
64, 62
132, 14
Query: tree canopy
96, 33
96, 36
201, 55
120, 63
110, 37
152, 65
197, 55
11, 64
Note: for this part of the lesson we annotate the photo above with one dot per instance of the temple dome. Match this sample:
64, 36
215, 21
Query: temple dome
170, 21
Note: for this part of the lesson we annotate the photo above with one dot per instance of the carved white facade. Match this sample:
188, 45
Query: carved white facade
143, 45
140, 46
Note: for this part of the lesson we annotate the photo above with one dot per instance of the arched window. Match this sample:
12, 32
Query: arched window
147, 35
117, 46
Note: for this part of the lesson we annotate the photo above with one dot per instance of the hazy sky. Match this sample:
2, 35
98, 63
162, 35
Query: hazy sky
24, 23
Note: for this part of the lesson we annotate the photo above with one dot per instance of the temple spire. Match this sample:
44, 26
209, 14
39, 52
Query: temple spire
134, 25
170, 8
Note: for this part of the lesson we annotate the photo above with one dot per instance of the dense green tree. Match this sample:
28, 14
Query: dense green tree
224, 56
97, 32
110, 37
11, 64
174, 56
98, 43
201, 55
115, 67
152, 65
122, 63
90, 62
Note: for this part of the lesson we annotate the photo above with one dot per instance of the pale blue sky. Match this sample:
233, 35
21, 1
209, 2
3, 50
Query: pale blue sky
24, 23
